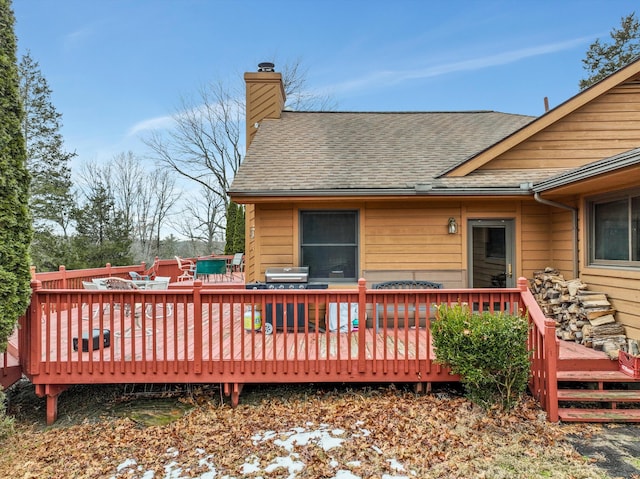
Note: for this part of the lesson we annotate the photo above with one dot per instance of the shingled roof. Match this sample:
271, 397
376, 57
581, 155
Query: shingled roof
346, 152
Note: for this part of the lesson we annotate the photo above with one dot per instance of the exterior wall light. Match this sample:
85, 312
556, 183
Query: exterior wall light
453, 226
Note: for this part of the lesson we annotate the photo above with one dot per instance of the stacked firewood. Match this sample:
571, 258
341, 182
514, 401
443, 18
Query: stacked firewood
583, 316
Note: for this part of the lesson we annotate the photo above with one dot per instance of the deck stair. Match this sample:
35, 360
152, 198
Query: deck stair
598, 396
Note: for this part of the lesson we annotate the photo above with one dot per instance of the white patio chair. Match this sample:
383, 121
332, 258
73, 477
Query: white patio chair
187, 267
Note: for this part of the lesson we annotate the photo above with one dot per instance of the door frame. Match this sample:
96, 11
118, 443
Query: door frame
510, 247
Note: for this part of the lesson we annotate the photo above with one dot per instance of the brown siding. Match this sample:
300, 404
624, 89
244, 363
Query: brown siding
536, 238
251, 251
562, 238
621, 287
410, 239
265, 98
274, 233
602, 128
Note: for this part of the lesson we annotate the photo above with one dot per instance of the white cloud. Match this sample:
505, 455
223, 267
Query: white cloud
78, 37
385, 77
158, 123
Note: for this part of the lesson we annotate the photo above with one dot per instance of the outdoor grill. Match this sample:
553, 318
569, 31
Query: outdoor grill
291, 277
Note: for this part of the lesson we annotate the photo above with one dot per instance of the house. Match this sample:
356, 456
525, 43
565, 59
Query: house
468, 199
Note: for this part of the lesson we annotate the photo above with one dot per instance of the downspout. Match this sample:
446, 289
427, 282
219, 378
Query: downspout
574, 212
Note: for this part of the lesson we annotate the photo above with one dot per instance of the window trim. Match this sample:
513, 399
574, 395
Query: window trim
591, 203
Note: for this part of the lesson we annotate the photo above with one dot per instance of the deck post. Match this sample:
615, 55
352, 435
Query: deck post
551, 357
34, 330
51, 391
197, 328
63, 272
362, 322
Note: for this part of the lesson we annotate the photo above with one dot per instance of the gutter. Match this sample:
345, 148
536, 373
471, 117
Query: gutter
419, 191
574, 212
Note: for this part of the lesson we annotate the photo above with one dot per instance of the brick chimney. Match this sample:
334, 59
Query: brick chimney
265, 97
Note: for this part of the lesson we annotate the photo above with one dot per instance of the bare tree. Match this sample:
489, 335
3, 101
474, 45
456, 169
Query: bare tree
206, 143
146, 198
203, 220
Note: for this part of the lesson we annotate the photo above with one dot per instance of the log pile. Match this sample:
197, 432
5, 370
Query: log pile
583, 316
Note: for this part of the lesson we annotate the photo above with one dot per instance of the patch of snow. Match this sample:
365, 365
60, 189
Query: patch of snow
342, 474
395, 465
322, 436
251, 465
172, 451
287, 463
126, 464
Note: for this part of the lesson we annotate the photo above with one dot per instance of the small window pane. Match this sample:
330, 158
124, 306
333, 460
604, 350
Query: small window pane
330, 261
611, 233
328, 228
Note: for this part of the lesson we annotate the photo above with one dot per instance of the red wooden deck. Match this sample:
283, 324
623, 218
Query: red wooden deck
195, 333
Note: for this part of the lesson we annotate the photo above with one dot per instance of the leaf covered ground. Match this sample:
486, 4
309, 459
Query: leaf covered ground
313, 431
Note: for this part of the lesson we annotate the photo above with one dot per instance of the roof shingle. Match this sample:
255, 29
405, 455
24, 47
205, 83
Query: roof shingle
354, 150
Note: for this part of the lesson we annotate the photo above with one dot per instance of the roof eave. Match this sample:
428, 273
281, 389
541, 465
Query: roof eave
384, 192
617, 162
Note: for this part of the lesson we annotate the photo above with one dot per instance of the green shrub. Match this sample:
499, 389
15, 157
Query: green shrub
488, 351
6, 422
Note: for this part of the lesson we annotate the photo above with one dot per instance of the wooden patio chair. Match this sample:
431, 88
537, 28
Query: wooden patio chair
187, 267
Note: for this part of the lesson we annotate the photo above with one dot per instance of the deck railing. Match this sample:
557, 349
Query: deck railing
206, 335
544, 349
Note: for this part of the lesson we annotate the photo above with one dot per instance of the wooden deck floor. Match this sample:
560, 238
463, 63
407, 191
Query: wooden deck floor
156, 336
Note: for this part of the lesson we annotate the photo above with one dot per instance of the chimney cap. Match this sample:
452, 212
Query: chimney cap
266, 67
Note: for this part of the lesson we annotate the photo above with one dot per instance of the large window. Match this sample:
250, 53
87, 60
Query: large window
614, 230
329, 244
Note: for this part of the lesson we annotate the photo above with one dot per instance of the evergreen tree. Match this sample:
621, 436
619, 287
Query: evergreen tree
605, 58
51, 200
232, 211
15, 217
238, 245
103, 234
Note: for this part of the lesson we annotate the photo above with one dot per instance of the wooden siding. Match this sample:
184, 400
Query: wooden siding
410, 237
275, 237
251, 247
265, 98
621, 287
536, 238
602, 128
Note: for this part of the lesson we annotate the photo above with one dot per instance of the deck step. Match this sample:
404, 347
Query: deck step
599, 415
598, 395
593, 376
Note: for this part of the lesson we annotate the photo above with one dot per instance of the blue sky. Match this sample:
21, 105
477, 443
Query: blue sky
117, 66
